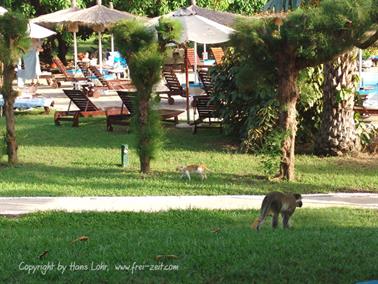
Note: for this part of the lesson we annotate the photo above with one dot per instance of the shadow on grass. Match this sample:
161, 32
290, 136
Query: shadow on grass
33, 179
359, 167
41, 131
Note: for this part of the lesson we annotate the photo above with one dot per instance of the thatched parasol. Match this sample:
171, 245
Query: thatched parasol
55, 18
99, 18
58, 17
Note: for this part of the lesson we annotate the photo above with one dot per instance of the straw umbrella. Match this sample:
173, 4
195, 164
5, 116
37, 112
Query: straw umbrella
56, 18
99, 18
199, 29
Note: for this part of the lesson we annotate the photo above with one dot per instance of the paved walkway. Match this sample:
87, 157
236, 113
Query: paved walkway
24, 205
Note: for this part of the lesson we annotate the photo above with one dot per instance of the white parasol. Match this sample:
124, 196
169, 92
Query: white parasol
199, 29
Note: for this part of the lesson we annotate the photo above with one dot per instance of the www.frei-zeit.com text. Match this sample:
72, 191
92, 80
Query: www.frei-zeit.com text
95, 267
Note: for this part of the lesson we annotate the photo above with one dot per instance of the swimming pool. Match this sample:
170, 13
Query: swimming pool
370, 83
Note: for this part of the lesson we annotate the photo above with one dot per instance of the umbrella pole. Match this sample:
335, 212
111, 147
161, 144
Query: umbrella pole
195, 63
100, 51
360, 67
75, 49
187, 85
112, 42
112, 35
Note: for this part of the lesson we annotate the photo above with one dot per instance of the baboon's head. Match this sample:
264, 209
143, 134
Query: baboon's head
298, 199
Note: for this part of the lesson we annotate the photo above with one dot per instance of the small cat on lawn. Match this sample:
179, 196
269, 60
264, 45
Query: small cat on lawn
198, 169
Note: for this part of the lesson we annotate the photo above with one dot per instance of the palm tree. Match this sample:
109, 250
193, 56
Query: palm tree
291, 42
337, 135
13, 42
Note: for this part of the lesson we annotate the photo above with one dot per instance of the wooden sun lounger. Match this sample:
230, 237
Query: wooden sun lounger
366, 111
173, 85
86, 108
206, 110
191, 59
111, 84
218, 54
65, 75
84, 69
123, 116
205, 79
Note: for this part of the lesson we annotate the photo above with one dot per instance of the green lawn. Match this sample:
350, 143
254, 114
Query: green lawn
57, 161
324, 246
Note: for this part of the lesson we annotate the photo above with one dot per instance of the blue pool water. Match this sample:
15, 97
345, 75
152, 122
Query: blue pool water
107, 75
370, 82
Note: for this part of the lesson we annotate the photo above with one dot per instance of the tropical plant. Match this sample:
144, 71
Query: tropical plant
337, 132
310, 104
139, 45
286, 44
248, 111
168, 31
14, 42
251, 112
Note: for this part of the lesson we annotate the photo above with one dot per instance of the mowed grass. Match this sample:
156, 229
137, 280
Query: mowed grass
85, 161
324, 246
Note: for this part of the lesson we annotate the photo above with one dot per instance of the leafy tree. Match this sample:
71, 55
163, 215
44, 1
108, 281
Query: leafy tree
283, 45
13, 42
337, 133
62, 41
153, 8
145, 59
34, 8
168, 31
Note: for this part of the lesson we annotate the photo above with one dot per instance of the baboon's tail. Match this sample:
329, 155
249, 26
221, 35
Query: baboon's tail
264, 211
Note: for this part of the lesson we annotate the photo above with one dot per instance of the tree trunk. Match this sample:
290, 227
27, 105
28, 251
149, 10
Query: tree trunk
9, 98
288, 96
144, 140
337, 134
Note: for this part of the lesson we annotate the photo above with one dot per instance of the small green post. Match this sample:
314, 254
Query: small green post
124, 155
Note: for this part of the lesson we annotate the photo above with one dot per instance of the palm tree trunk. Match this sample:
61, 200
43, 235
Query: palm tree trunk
337, 134
9, 98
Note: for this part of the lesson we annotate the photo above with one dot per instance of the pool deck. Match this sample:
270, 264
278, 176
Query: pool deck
110, 99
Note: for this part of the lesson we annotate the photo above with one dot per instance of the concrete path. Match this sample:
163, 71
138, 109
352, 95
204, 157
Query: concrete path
23, 205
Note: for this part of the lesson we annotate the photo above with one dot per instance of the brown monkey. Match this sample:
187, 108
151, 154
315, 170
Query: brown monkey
187, 170
275, 203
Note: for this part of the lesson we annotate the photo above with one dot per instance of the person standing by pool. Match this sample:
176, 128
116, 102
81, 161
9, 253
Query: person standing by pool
32, 67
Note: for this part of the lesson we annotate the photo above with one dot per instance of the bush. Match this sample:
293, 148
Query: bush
251, 111
145, 58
